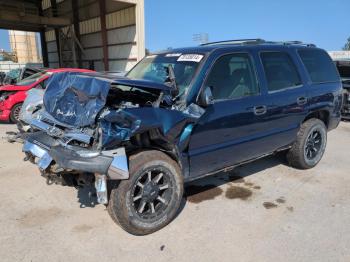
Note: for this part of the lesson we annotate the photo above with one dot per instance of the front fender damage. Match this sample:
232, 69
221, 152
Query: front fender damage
119, 126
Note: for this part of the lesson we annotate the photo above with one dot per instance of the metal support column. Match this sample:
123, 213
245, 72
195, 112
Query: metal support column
44, 48
75, 9
57, 32
102, 4
43, 44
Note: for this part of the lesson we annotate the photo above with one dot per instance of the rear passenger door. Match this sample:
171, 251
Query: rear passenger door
286, 99
231, 129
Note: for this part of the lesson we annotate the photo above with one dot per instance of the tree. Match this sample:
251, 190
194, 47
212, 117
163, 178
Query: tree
347, 45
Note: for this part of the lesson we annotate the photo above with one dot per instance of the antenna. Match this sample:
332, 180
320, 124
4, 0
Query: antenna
201, 38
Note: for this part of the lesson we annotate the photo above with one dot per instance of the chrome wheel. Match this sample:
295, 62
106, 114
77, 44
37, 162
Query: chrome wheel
151, 193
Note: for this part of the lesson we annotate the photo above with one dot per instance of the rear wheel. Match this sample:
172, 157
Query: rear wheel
15, 111
309, 148
151, 197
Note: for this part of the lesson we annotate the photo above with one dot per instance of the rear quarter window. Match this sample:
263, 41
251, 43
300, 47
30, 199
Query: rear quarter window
319, 65
280, 71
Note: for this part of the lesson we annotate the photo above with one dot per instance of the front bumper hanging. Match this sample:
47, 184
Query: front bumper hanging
113, 163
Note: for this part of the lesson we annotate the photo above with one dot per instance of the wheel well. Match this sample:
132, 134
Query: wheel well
19, 103
323, 115
152, 139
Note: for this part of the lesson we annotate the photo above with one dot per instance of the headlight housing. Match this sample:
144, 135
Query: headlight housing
5, 95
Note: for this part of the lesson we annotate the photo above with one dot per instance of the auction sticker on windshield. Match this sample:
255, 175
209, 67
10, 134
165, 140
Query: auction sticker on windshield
173, 55
190, 58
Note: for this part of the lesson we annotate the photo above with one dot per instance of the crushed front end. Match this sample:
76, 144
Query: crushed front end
90, 123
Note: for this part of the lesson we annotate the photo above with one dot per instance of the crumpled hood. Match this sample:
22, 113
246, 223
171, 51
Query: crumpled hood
76, 99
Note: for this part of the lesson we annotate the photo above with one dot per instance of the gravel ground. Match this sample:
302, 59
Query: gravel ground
263, 211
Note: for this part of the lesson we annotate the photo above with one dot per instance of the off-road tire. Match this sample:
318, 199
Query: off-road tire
120, 206
14, 111
296, 156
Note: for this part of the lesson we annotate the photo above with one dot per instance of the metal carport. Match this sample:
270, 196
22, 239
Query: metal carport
105, 34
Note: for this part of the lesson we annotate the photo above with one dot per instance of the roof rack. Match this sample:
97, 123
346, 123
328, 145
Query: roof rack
256, 41
236, 42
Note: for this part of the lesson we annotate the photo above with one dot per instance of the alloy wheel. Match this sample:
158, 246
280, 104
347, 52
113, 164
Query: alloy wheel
151, 193
313, 144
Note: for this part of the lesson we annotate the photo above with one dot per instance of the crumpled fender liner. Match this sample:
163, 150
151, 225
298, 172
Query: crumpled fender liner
69, 159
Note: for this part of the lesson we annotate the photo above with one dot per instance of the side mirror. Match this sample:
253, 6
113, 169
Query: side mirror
205, 97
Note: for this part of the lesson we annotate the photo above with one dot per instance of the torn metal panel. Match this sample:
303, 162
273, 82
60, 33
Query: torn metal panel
118, 126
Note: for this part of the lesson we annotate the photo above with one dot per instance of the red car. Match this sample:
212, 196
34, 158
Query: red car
12, 96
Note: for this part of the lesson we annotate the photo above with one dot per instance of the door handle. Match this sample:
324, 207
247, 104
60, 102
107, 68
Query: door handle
301, 100
260, 110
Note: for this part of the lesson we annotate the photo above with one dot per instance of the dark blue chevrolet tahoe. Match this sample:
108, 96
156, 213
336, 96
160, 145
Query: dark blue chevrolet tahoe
181, 115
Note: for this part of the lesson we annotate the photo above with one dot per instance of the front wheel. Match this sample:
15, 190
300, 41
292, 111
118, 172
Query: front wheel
310, 145
151, 197
15, 112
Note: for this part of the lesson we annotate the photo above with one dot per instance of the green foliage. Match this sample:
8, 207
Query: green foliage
347, 45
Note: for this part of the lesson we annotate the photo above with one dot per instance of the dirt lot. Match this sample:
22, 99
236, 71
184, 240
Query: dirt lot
264, 211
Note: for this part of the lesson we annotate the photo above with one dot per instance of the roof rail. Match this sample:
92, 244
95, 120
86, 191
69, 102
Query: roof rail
297, 43
256, 41
237, 42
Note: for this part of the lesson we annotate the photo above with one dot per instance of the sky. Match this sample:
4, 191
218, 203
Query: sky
4, 40
172, 23
325, 23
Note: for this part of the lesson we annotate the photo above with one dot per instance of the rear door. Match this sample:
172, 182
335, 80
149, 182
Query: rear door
287, 96
231, 129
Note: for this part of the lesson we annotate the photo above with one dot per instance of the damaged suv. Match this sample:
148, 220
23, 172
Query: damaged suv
181, 115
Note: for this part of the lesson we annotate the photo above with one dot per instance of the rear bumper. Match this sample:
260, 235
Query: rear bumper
46, 150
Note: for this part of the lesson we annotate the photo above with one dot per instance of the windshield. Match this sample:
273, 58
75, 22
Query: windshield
154, 68
32, 79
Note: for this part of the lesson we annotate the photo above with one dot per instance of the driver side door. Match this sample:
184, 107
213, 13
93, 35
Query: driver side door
232, 128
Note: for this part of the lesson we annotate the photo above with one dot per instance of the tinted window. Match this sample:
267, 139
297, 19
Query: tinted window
280, 70
319, 65
232, 76
344, 71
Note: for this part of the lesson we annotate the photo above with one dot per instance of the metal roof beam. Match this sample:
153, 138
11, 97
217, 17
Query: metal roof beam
7, 17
